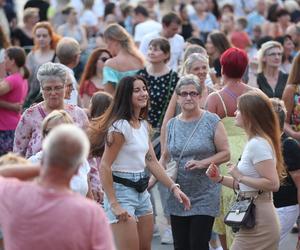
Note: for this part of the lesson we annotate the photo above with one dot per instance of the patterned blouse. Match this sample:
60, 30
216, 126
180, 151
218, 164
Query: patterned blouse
161, 89
88, 88
28, 134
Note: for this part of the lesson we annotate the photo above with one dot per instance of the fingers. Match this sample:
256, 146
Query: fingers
190, 165
212, 170
182, 198
123, 217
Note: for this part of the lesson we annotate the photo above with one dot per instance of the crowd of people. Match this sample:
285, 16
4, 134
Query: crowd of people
97, 97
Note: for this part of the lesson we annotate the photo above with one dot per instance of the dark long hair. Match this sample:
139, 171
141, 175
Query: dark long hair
121, 108
220, 41
100, 102
19, 56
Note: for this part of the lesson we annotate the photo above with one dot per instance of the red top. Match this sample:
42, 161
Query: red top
88, 88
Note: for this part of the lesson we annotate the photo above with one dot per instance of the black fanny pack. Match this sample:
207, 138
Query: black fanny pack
140, 185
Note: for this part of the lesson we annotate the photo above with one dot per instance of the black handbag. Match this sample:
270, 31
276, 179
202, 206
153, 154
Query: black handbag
241, 214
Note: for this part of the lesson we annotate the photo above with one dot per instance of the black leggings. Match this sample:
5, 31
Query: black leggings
191, 232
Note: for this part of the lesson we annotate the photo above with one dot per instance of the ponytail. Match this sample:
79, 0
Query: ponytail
25, 72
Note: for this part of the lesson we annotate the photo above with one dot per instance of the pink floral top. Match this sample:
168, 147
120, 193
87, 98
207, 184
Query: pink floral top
28, 134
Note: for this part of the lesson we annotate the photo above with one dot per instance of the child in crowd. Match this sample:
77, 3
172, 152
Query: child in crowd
99, 103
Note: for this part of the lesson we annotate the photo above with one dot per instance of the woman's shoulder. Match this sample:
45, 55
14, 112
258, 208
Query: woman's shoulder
121, 123
74, 109
34, 108
283, 75
258, 142
110, 63
211, 117
14, 77
143, 72
124, 64
34, 115
291, 88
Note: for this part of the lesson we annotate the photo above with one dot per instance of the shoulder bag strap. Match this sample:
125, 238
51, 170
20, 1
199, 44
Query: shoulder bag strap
188, 140
223, 104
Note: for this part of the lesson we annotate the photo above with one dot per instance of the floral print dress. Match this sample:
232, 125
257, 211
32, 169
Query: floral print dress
28, 134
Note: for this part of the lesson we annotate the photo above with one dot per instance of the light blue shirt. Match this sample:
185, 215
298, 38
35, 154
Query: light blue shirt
209, 24
111, 75
254, 19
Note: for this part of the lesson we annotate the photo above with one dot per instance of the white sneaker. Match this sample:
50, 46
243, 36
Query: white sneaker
218, 248
156, 230
167, 237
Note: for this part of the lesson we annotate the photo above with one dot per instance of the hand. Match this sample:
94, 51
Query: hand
213, 172
17, 107
98, 195
182, 198
193, 164
152, 182
298, 245
121, 214
233, 171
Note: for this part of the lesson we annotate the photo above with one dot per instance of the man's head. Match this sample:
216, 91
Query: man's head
65, 149
68, 52
261, 7
171, 23
140, 14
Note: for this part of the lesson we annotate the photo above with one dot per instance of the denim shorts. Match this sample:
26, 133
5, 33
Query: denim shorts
135, 203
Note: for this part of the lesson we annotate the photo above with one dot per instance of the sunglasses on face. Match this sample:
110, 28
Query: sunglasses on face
103, 59
191, 94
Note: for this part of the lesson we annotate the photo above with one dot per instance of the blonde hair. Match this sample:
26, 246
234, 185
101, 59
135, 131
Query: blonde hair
193, 48
117, 33
56, 115
12, 159
29, 12
195, 57
262, 52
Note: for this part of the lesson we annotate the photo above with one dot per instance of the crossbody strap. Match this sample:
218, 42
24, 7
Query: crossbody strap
191, 135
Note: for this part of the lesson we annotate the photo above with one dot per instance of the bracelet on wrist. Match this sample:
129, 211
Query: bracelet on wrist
174, 185
221, 180
112, 203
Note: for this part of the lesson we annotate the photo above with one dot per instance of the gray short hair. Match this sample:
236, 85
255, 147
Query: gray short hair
195, 57
66, 146
189, 80
67, 49
49, 71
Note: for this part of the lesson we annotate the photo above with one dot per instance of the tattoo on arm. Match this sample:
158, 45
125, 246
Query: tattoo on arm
148, 157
